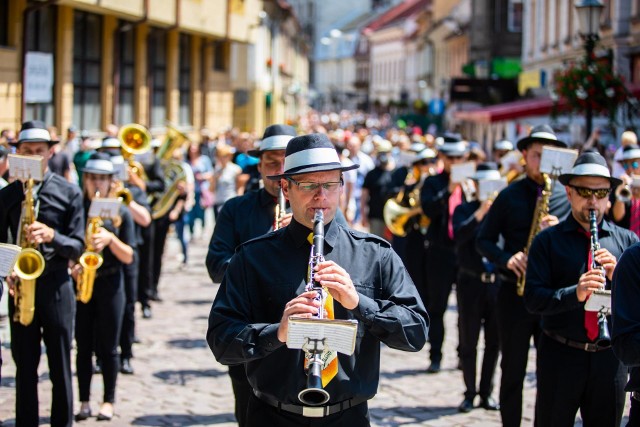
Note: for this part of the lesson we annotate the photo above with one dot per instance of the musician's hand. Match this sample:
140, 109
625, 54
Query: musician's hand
338, 282
606, 260
518, 264
76, 270
137, 181
101, 239
286, 220
548, 221
589, 282
173, 215
39, 233
304, 305
483, 209
181, 186
12, 281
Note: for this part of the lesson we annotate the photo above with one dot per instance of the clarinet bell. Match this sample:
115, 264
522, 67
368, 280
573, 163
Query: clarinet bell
314, 394
604, 339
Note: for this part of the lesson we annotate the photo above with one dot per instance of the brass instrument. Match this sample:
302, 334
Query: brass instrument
399, 210
135, 139
122, 193
29, 264
281, 210
173, 172
315, 394
604, 338
90, 261
541, 210
623, 193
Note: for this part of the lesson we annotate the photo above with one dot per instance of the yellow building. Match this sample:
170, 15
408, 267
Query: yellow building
95, 62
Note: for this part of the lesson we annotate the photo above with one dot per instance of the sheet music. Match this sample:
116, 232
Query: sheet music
339, 335
104, 208
8, 256
489, 188
462, 171
24, 167
555, 161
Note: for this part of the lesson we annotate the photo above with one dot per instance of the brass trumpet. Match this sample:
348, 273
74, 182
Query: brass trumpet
135, 139
29, 265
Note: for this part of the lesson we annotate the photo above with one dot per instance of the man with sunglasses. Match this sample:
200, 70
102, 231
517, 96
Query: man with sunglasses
574, 370
265, 284
502, 238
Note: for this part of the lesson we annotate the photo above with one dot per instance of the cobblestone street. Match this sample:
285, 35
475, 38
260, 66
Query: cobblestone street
177, 381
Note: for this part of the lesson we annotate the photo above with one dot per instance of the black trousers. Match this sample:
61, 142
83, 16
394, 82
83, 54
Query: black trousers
161, 227
100, 321
434, 290
516, 326
477, 309
128, 331
52, 323
241, 391
146, 266
260, 414
634, 413
570, 379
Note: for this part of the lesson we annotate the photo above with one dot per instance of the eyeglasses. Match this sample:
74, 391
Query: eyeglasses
632, 165
311, 187
587, 193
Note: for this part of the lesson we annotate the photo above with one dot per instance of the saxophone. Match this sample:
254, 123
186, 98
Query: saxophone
541, 210
29, 265
90, 261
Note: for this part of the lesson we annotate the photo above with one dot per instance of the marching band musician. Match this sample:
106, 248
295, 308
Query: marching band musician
575, 370
439, 197
375, 189
100, 319
59, 232
265, 284
510, 216
477, 291
233, 229
625, 207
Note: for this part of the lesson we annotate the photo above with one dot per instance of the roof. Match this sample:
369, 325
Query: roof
401, 11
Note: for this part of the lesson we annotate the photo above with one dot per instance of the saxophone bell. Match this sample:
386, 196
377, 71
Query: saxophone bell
90, 261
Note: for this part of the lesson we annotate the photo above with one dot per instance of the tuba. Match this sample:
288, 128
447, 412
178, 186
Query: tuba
399, 210
29, 265
135, 139
172, 169
90, 261
541, 210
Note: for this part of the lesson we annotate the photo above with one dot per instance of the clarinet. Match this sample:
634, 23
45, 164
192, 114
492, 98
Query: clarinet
316, 257
314, 394
604, 339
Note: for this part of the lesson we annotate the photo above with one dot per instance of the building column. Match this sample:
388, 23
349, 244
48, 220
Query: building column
110, 24
63, 74
173, 92
140, 84
197, 84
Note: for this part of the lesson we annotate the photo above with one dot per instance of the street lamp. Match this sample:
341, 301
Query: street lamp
589, 12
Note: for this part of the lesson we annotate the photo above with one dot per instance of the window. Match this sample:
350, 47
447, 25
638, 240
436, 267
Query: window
220, 54
514, 23
184, 80
41, 30
157, 43
125, 49
4, 22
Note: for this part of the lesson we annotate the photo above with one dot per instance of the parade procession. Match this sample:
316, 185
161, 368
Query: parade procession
319, 213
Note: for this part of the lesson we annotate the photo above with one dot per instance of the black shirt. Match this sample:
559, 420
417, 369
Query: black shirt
625, 299
510, 216
378, 182
267, 272
240, 219
59, 206
465, 229
59, 163
434, 198
140, 197
557, 258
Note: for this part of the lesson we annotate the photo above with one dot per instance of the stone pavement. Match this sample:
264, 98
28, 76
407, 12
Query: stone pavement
178, 382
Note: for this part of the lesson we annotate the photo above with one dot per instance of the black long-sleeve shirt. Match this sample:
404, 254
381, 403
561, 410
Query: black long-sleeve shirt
557, 258
271, 270
510, 216
625, 297
59, 206
465, 229
434, 198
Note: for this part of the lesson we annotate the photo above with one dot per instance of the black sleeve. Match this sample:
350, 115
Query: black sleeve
223, 243
625, 295
156, 178
68, 239
489, 233
464, 225
434, 200
127, 232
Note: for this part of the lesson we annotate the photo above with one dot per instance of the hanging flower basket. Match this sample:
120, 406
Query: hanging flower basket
580, 85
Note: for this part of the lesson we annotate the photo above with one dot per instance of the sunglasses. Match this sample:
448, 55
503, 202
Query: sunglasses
587, 193
632, 165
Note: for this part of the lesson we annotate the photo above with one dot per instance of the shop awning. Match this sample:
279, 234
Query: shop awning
508, 111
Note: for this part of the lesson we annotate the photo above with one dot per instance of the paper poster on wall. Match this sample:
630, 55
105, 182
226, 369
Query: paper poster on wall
38, 79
